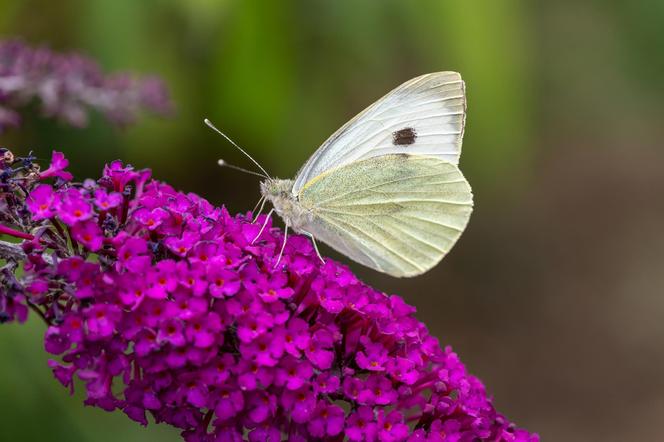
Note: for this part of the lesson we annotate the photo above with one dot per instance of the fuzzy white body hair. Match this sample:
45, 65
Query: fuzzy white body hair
286, 204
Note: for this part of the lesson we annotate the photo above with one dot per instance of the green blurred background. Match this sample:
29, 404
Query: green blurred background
553, 296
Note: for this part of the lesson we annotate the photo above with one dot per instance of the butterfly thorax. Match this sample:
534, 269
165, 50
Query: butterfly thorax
280, 194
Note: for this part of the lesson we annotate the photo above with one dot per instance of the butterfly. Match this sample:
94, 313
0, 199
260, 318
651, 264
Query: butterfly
385, 189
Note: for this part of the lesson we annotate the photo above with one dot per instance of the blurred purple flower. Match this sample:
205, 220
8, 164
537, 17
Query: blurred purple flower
67, 85
178, 315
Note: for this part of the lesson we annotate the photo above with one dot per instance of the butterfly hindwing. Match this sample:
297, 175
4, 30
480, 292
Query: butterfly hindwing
399, 214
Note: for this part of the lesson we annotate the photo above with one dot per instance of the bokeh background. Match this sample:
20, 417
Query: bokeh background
553, 296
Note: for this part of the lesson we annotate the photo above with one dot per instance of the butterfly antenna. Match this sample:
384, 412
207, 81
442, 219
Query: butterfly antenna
223, 163
213, 127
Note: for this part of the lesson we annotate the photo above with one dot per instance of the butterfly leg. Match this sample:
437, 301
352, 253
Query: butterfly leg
313, 241
283, 246
260, 202
260, 232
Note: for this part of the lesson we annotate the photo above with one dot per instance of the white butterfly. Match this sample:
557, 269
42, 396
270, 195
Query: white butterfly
385, 189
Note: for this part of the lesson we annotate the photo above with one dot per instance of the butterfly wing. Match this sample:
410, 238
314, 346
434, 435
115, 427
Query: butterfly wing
399, 214
424, 116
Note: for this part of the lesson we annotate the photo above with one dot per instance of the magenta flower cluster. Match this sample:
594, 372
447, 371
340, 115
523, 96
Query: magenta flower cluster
164, 306
66, 85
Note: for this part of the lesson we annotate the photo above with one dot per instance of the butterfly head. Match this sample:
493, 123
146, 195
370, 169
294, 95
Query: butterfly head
274, 188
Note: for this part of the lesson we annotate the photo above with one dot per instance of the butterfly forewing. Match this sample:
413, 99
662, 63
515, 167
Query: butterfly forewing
399, 214
424, 116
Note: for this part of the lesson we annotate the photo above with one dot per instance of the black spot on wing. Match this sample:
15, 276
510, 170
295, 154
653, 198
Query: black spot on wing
404, 137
